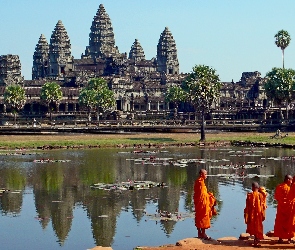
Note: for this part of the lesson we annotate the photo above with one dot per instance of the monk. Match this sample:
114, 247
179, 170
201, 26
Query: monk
204, 205
281, 229
254, 213
291, 212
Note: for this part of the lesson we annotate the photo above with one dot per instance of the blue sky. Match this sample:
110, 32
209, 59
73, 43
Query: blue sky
232, 36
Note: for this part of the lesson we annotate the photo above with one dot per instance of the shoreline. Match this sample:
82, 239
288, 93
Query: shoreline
142, 141
224, 243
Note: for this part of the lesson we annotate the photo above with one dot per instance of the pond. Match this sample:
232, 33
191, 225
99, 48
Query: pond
51, 201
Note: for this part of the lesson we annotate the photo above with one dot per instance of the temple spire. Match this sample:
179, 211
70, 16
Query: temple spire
136, 51
101, 37
59, 51
167, 53
10, 70
40, 59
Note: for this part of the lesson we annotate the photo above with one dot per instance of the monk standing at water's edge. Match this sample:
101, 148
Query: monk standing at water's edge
254, 213
204, 205
291, 213
281, 229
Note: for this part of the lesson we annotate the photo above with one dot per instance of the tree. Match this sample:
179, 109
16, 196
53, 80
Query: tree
97, 95
105, 100
202, 88
97, 84
88, 98
282, 40
15, 96
279, 86
51, 93
175, 94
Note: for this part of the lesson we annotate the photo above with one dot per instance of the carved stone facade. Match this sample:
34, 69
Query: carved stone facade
60, 58
139, 84
102, 56
167, 54
10, 70
136, 52
101, 37
40, 59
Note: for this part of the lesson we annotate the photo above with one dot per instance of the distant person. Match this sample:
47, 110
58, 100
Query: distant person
254, 213
34, 122
204, 205
281, 229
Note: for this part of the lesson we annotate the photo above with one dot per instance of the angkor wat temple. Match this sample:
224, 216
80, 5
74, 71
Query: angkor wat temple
139, 84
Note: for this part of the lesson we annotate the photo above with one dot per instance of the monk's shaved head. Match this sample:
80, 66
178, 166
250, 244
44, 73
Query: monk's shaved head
288, 177
255, 185
203, 171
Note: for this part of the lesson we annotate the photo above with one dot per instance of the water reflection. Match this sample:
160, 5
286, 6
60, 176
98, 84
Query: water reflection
61, 187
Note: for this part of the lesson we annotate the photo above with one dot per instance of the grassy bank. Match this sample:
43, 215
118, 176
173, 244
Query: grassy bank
115, 140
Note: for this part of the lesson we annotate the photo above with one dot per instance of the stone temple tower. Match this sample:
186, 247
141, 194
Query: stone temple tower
60, 59
136, 52
40, 59
10, 70
167, 54
101, 37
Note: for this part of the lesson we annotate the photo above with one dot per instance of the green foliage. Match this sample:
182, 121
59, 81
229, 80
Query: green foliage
105, 99
97, 94
202, 87
51, 92
175, 94
97, 84
15, 96
282, 40
279, 85
87, 97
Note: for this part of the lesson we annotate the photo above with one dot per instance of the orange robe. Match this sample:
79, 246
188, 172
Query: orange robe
254, 214
281, 228
262, 190
291, 212
204, 204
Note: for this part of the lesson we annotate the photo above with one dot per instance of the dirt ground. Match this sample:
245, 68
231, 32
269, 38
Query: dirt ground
226, 243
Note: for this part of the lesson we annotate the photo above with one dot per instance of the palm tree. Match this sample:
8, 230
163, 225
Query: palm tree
282, 40
16, 97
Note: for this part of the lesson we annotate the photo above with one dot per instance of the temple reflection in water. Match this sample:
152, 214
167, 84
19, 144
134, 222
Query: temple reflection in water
60, 187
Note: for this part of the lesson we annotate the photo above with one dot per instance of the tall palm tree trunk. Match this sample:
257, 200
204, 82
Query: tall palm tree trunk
283, 58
